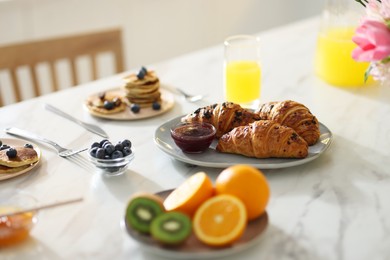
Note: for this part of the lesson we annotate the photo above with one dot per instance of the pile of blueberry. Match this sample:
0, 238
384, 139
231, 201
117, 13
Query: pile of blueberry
12, 152
106, 150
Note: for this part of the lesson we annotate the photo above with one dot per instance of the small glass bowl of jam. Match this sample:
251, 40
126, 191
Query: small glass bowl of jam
193, 137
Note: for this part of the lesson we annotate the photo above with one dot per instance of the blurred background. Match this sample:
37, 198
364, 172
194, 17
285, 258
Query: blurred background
153, 30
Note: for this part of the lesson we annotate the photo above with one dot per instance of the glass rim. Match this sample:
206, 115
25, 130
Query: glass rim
240, 38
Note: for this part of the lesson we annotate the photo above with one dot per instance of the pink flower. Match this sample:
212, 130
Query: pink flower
385, 9
373, 40
378, 10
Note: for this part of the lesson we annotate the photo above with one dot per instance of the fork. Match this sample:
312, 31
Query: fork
188, 97
61, 151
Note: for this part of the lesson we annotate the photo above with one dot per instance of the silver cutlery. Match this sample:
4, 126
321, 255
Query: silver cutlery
61, 151
90, 127
188, 97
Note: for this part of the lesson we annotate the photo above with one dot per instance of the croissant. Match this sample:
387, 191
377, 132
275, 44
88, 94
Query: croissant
263, 139
294, 115
224, 116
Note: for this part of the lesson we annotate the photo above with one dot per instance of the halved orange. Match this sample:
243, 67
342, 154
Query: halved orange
190, 194
220, 221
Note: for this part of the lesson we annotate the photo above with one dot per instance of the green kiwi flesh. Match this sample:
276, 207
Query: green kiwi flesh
171, 228
141, 212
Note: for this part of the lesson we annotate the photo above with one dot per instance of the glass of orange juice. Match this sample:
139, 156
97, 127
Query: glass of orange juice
333, 60
242, 71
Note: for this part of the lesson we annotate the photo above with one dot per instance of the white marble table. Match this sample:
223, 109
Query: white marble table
335, 207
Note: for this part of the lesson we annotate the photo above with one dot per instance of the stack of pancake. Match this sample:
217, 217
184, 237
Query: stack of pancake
143, 91
24, 158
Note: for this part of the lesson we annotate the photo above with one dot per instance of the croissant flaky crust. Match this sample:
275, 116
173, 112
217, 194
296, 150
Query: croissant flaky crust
263, 139
292, 114
224, 117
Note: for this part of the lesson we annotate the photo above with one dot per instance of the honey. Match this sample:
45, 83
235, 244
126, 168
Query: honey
15, 228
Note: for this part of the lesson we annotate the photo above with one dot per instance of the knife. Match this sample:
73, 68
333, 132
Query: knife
90, 127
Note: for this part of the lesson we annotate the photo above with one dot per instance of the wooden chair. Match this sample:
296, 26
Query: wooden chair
30, 54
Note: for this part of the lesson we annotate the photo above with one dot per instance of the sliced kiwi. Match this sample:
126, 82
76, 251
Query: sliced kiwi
171, 228
142, 210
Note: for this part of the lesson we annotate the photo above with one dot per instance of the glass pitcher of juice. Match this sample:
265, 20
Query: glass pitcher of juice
333, 60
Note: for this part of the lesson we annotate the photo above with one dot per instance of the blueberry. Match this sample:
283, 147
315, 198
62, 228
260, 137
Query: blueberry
4, 146
126, 143
93, 151
117, 101
141, 74
102, 96
95, 144
109, 148
107, 157
126, 151
108, 105
102, 142
156, 106
135, 108
11, 153
119, 147
116, 155
29, 146
106, 143
100, 153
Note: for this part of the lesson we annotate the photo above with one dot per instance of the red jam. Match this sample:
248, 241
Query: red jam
193, 137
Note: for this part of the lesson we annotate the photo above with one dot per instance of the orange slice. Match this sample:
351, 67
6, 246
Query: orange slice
246, 183
220, 220
190, 194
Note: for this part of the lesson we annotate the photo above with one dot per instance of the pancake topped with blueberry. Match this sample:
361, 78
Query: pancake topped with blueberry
106, 103
18, 156
145, 78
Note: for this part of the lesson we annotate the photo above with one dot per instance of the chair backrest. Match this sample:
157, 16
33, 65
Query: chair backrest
30, 54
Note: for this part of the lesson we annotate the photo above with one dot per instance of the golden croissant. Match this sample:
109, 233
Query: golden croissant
224, 117
294, 115
263, 139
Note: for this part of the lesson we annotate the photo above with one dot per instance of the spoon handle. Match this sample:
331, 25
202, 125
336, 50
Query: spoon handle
51, 205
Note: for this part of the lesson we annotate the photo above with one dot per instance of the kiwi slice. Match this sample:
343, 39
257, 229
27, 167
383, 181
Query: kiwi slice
171, 228
142, 210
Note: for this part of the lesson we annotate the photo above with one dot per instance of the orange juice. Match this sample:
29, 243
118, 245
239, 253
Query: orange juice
334, 62
242, 81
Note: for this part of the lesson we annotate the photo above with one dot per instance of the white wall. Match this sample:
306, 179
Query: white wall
154, 30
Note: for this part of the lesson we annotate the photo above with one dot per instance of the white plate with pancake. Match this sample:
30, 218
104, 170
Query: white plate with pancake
167, 102
18, 142
214, 159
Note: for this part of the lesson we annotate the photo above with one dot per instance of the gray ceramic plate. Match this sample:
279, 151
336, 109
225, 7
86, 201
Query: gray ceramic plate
212, 158
193, 248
